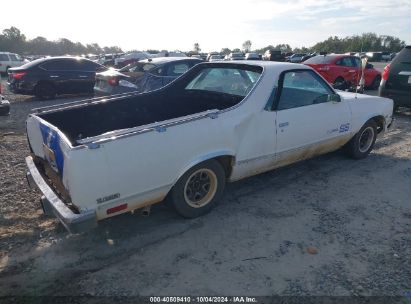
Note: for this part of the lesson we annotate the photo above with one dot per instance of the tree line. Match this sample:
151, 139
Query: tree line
367, 42
12, 40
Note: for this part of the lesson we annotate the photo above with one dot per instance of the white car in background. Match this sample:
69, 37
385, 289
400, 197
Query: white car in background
10, 60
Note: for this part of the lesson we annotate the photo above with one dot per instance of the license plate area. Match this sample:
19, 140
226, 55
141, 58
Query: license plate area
50, 157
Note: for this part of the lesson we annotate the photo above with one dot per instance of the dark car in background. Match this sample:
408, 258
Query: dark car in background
45, 78
396, 79
272, 55
143, 76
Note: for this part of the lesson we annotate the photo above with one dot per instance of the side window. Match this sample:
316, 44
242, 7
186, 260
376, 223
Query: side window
4, 57
302, 88
177, 69
356, 61
346, 61
59, 65
89, 66
13, 57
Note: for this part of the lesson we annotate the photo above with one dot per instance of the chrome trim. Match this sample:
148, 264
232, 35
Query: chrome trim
406, 73
159, 127
75, 104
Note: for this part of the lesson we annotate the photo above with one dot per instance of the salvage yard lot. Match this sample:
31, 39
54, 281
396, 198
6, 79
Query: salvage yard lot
327, 226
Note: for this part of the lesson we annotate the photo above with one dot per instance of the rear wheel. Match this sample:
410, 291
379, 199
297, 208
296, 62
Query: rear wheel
363, 142
199, 189
45, 91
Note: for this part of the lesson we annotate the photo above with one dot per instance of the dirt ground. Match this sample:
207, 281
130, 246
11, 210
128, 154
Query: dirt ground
327, 226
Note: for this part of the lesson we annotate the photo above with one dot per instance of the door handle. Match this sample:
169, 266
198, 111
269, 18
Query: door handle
83, 76
352, 71
54, 76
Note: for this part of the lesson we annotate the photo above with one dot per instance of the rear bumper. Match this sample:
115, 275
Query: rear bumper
52, 205
20, 88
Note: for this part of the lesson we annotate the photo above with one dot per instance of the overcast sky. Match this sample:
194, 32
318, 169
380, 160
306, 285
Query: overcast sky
214, 24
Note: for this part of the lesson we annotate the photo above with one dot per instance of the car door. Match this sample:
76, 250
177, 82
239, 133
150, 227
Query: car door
347, 69
60, 72
308, 121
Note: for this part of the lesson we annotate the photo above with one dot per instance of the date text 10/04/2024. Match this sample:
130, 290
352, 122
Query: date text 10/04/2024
238, 299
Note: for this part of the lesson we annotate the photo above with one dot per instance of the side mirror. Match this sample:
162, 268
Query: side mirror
334, 98
369, 66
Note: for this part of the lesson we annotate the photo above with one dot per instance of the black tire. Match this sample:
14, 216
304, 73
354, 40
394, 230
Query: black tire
191, 197
376, 82
45, 91
363, 142
7, 70
340, 84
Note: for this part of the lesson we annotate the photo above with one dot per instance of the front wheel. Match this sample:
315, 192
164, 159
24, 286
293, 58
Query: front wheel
199, 189
363, 142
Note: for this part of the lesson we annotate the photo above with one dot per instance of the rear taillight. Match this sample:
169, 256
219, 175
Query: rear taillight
18, 76
113, 81
386, 72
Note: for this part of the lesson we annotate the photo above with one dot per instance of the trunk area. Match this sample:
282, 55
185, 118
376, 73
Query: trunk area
95, 119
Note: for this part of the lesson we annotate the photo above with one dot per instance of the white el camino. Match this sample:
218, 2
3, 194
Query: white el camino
218, 123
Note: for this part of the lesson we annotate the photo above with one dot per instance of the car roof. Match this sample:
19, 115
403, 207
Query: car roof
161, 60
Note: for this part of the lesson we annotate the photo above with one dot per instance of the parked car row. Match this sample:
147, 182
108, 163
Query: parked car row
143, 76
51, 76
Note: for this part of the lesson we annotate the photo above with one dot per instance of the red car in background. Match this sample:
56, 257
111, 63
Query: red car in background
344, 71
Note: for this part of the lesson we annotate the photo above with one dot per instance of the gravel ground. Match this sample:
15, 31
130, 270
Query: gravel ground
327, 226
